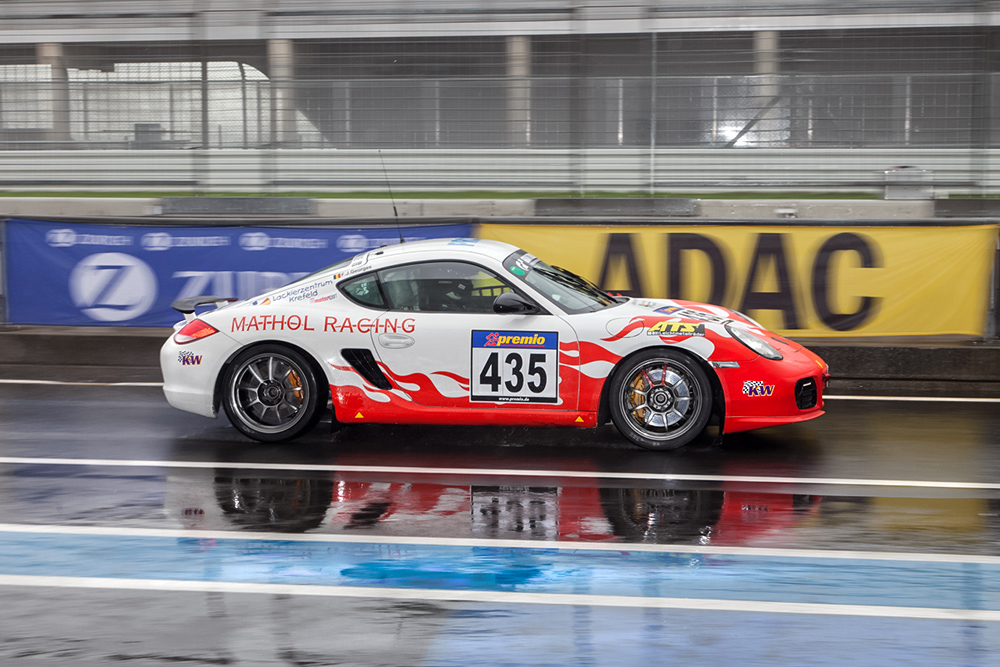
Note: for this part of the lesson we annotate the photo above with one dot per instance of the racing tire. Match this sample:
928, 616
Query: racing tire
270, 393
660, 399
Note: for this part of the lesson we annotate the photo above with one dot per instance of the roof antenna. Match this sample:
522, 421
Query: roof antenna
391, 198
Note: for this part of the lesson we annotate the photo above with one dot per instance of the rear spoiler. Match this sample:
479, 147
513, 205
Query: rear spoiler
187, 305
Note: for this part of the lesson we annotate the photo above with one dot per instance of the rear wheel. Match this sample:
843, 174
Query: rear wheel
660, 399
271, 393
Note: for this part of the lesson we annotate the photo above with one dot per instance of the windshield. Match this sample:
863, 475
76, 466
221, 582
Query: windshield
567, 290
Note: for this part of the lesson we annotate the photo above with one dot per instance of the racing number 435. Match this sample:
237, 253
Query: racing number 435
515, 366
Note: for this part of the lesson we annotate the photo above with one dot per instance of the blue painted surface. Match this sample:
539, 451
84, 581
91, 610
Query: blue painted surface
534, 570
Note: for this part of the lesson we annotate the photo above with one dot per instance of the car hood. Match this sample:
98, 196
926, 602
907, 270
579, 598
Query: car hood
636, 315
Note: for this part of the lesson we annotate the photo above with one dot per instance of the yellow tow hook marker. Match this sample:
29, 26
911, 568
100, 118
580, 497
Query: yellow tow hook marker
359, 416
579, 419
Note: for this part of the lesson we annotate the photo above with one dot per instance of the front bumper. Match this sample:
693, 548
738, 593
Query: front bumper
763, 393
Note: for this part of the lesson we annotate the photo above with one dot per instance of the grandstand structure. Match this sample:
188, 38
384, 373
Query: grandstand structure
652, 96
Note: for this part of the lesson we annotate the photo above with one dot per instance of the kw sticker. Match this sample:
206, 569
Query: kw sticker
757, 388
189, 358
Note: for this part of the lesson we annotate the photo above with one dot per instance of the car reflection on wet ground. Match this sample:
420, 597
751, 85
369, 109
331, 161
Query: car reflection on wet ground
868, 536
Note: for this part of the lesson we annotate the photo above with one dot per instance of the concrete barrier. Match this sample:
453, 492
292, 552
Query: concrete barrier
682, 209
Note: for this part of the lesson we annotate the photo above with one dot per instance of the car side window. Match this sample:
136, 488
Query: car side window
364, 290
442, 287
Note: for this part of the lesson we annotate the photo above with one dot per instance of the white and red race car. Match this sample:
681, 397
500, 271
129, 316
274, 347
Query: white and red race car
478, 332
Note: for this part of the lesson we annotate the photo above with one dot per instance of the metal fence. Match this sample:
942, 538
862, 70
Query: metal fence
559, 105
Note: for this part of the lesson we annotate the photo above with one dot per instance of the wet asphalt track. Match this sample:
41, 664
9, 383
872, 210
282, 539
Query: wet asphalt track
139, 535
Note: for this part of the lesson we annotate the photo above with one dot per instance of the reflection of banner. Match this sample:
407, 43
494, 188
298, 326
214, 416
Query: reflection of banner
78, 274
801, 281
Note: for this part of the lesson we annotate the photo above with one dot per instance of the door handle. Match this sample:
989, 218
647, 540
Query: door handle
395, 341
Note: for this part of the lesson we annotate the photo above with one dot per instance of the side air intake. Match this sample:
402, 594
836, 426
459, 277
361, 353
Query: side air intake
805, 393
363, 361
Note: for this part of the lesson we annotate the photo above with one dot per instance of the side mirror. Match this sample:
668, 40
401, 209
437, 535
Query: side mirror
511, 303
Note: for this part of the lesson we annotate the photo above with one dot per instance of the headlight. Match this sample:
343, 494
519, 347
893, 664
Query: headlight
755, 343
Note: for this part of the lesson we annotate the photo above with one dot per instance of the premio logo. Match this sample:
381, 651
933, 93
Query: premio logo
112, 287
497, 339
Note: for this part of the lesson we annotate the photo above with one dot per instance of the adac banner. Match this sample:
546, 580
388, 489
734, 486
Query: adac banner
85, 274
800, 281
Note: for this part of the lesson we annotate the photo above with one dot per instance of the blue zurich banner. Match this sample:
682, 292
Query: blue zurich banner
118, 275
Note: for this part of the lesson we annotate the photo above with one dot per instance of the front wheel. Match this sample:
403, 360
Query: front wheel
660, 399
271, 394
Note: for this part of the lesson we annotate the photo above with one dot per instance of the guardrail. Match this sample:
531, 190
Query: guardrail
680, 169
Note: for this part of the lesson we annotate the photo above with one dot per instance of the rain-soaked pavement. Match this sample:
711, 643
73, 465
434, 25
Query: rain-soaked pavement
136, 534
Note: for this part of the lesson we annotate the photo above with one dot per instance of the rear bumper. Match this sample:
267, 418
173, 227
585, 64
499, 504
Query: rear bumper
198, 402
190, 372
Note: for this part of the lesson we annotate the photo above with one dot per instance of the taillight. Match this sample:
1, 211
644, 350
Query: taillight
194, 330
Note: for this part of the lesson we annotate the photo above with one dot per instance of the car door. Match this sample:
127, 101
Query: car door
456, 352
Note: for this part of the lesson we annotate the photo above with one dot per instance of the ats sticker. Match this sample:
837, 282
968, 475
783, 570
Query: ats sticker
667, 329
757, 388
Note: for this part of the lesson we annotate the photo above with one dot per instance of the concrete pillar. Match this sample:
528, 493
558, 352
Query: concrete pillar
519, 90
765, 50
281, 66
767, 66
52, 55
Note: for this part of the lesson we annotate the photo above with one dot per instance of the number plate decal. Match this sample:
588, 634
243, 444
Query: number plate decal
515, 366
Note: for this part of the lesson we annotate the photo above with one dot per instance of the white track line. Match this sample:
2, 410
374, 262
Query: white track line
343, 538
83, 384
503, 472
503, 597
912, 399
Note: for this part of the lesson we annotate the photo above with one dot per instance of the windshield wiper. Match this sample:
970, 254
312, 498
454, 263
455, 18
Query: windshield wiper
583, 282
